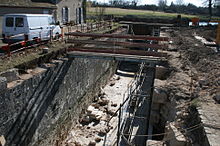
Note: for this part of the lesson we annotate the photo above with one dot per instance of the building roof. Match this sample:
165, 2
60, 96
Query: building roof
27, 3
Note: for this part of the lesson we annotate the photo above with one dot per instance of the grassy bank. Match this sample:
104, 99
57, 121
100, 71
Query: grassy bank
140, 13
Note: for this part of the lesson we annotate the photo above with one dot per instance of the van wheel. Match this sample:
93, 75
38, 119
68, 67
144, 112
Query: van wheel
4, 41
35, 40
57, 36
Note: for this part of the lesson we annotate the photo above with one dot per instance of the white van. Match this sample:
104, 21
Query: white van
33, 25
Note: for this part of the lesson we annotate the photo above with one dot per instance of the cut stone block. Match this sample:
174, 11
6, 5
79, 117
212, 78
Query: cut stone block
2, 141
159, 96
161, 72
154, 117
3, 83
11, 75
174, 136
154, 143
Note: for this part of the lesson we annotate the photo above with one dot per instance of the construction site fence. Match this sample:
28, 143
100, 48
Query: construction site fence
44, 36
89, 26
25, 42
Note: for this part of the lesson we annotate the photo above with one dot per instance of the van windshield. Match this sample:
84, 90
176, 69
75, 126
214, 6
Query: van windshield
51, 21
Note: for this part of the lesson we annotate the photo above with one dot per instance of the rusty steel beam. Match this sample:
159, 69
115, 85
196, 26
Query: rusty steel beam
124, 44
118, 51
122, 36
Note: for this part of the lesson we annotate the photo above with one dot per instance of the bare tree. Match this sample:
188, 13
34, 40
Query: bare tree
135, 2
209, 3
162, 4
179, 2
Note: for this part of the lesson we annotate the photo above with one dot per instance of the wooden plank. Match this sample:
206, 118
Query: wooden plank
125, 44
122, 36
118, 51
118, 57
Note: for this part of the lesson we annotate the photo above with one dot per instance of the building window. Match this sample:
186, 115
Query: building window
79, 15
9, 22
65, 14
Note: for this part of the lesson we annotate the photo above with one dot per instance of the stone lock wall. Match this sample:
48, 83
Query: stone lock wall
37, 106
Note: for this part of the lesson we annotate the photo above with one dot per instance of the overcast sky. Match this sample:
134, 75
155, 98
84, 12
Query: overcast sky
195, 2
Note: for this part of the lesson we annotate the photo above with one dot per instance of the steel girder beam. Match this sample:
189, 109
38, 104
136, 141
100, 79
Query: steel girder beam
118, 51
122, 36
124, 44
117, 57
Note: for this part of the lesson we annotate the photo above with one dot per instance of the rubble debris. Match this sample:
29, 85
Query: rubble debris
98, 139
174, 136
112, 83
45, 50
103, 102
217, 98
85, 120
2, 141
92, 143
155, 143
114, 104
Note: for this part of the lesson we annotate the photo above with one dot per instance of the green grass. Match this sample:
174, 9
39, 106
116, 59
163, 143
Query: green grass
140, 13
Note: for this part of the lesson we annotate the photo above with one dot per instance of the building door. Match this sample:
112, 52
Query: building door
65, 15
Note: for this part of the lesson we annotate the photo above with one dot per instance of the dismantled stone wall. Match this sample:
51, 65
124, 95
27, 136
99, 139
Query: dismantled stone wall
37, 105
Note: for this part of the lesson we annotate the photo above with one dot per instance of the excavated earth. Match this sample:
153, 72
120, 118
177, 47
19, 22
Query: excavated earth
194, 84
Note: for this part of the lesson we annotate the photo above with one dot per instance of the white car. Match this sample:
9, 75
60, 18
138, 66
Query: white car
42, 26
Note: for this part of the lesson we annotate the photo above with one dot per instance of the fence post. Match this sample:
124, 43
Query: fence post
51, 35
62, 32
119, 124
40, 35
87, 27
8, 51
68, 37
91, 26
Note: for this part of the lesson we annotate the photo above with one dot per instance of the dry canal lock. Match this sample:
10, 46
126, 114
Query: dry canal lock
40, 115
143, 114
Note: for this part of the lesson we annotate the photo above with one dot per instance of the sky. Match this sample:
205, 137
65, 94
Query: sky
143, 2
